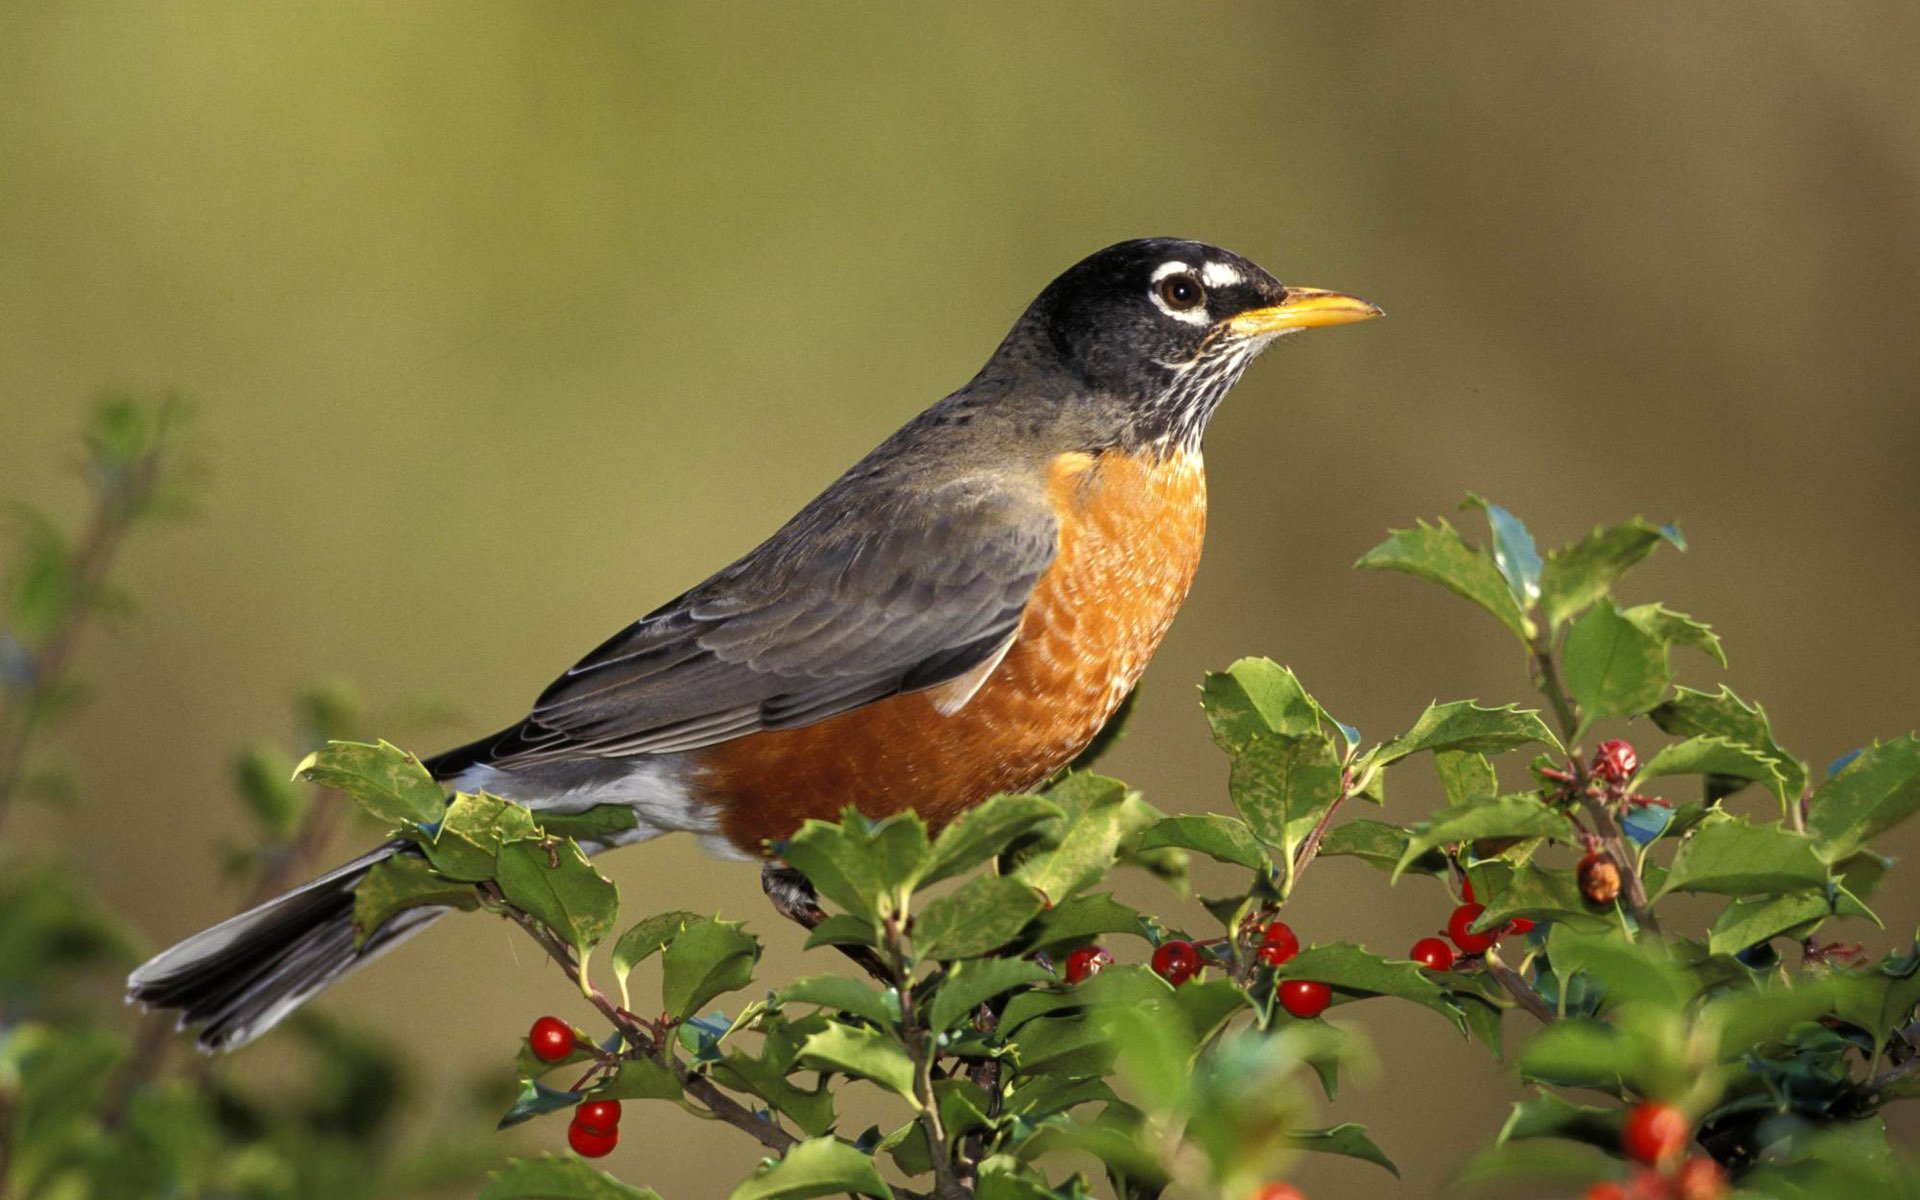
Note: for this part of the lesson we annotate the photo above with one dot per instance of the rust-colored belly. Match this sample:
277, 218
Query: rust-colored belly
1130, 535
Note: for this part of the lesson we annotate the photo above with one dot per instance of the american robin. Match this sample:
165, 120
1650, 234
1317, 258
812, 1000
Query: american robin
956, 615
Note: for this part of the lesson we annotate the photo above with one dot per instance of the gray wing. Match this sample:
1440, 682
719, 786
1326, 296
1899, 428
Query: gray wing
838, 609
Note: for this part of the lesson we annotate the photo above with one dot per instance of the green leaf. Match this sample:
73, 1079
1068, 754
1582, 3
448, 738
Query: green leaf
646, 938
866, 867
1084, 917
1525, 890
1698, 714
973, 983
1224, 838
1751, 1019
841, 994
765, 1075
1728, 855
819, 1167
843, 929
864, 1052
1382, 845
1577, 575
1439, 554
1630, 971
980, 917
1098, 819
1348, 1139
707, 957
467, 844
402, 882
1281, 784
1714, 756
385, 780
1576, 1053
552, 882
1516, 816
1354, 974
600, 823
551, 1177
1549, 1168
1749, 920
982, 832
1465, 777
640, 1079
536, 1099
1253, 696
1671, 629
1876, 791
1464, 726
1613, 667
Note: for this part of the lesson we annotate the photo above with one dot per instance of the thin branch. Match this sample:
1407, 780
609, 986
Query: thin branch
1521, 991
922, 1046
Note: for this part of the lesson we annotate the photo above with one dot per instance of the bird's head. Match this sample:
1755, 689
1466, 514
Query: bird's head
1164, 327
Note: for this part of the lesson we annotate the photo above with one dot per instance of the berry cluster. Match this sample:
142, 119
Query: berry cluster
595, 1129
1655, 1136
1179, 961
1435, 955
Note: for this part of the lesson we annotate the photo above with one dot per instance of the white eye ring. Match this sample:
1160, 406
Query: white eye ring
1194, 313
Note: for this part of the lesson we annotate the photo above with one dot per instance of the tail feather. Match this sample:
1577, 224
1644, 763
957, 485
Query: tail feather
240, 978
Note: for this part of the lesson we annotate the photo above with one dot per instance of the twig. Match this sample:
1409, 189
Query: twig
1521, 991
924, 1049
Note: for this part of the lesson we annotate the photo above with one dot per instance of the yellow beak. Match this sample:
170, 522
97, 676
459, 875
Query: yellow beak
1304, 308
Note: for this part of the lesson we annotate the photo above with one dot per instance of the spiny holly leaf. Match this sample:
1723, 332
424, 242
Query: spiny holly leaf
384, 779
466, 846
980, 917
818, 1167
973, 983
1440, 555
1281, 784
1349, 1139
1714, 756
706, 958
766, 1075
1876, 791
1512, 890
1613, 667
536, 1099
596, 824
1671, 629
1354, 974
1256, 695
1516, 816
1084, 917
1882, 999
1547, 1115
1224, 838
984, 831
1577, 575
1465, 726
552, 882
1750, 920
1631, 971
1727, 855
1748, 1019
864, 866
646, 938
1098, 820
402, 882
1513, 550
842, 994
1466, 777
1382, 845
863, 1052
1698, 714
550, 1177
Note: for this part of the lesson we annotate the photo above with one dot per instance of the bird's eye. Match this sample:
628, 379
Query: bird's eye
1182, 292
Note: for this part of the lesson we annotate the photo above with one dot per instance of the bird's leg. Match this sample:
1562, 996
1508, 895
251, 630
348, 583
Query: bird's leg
794, 898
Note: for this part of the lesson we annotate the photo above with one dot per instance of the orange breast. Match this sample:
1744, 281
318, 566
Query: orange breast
1130, 536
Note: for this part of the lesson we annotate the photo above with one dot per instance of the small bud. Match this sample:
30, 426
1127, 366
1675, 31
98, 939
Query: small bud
1599, 879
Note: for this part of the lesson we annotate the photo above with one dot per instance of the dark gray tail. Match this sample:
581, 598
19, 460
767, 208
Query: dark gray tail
240, 978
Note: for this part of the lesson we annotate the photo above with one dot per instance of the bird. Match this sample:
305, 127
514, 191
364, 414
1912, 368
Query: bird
957, 615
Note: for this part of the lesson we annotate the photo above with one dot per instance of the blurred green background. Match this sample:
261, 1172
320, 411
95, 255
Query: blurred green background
507, 322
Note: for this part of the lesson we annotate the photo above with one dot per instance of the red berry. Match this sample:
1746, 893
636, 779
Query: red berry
1599, 878
1086, 962
1278, 944
1654, 1133
1279, 1191
1460, 929
1304, 998
1433, 954
1615, 761
551, 1039
1700, 1179
1176, 961
1519, 925
588, 1144
1606, 1189
1466, 890
598, 1116
1649, 1184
